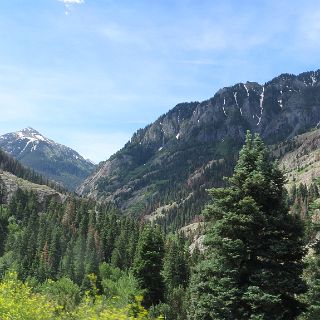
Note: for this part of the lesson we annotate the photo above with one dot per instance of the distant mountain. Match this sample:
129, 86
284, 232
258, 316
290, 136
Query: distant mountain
164, 169
53, 160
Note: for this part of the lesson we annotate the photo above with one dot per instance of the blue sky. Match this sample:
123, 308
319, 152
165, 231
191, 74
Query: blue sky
88, 73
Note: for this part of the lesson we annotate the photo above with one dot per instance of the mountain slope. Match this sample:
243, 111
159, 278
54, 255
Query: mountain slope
14, 176
166, 166
299, 158
9, 184
52, 160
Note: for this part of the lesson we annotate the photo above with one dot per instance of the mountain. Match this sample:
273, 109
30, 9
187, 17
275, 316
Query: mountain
52, 160
165, 168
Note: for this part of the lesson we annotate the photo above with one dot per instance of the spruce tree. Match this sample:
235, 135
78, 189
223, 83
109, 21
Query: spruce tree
175, 266
176, 276
148, 264
253, 262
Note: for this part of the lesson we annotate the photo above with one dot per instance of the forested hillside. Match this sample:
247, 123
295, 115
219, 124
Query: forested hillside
159, 160
9, 164
79, 259
127, 251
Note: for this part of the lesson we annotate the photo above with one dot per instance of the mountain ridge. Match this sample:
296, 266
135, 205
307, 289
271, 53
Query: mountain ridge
53, 160
155, 167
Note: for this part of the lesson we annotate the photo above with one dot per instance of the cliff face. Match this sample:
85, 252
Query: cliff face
158, 165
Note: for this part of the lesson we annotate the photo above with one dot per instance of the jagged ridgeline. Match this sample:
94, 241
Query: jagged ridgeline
163, 171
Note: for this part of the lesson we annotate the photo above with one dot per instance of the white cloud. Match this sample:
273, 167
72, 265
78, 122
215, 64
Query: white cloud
72, 1
69, 3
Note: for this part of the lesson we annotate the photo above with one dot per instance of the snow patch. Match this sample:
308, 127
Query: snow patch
40, 137
20, 135
246, 90
261, 105
259, 119
25, 147
32, 135
224, 111
34, 147
235, 99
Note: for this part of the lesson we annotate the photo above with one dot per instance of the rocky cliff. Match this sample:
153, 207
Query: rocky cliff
192, 146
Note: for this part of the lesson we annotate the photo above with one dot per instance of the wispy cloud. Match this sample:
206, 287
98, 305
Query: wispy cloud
72, 1
68, 4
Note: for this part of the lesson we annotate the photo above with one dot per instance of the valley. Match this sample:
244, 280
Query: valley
144, 222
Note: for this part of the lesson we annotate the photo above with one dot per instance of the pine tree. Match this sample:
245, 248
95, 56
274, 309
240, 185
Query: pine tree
175, 266
176, 276
148, 264
253, 266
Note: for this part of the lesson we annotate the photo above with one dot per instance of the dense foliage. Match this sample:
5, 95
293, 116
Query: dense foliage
55, 246
79, 259
13, 166
19, 302
254, 259
148, 265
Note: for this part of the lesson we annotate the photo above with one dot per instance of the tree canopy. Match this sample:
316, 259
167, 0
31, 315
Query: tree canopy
253, 262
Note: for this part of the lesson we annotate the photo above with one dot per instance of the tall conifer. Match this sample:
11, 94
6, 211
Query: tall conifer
148, 264
253, 266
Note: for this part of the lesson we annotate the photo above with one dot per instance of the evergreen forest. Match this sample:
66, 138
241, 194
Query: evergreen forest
254, 252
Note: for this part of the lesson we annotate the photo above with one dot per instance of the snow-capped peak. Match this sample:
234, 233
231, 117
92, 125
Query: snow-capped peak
32, 135
16, 143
